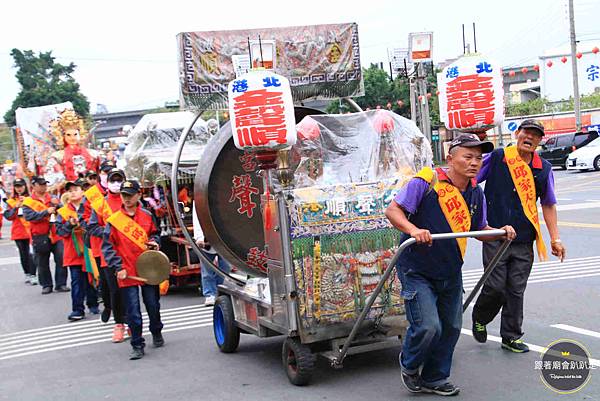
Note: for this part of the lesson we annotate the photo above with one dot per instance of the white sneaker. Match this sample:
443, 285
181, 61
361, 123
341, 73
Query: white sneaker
209, 301
27, 279
34, 280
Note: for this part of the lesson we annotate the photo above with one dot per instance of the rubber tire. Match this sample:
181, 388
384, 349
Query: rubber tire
597, 163
227, 334
298, 361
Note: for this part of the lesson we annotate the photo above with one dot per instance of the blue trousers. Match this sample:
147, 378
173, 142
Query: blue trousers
434, 311
131, 298
210, 279
82, 289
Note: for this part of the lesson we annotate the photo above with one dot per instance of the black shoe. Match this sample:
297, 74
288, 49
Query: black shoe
46, 290
443, 389
479, 332
73, 316
63, 288
105, 316
411, 382
517, 346
158, 340
136, 353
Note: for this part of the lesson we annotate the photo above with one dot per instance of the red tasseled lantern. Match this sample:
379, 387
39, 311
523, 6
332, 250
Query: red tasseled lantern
437, 93
550, 63
511, 73
524, 70
578, 55
563, 59
536, 67
420, 98
429, 96
595, 50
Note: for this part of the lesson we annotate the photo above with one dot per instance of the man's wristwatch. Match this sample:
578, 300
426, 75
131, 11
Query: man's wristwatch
556, 241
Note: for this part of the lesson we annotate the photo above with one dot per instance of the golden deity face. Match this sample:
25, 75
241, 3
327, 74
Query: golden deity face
71, 136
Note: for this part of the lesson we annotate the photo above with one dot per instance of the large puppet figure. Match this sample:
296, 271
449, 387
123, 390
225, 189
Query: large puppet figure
72, 158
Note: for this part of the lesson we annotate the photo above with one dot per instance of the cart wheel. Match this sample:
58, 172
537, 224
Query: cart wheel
298, 361
227, 335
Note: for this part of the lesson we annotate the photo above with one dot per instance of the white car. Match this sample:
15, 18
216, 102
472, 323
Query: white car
586, 157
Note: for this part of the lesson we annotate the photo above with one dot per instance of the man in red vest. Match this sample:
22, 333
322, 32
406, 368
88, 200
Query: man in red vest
39, 210
129, 232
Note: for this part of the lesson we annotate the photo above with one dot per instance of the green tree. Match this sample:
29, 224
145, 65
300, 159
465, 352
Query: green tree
43, 82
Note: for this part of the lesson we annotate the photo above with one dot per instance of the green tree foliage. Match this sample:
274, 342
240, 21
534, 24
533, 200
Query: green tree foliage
380, 91
542, 105
43, 82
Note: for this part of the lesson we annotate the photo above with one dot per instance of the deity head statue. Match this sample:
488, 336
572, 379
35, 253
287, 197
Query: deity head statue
68, 129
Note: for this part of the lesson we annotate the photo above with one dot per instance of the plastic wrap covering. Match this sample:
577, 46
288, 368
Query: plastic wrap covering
359, 147
321, 62
152, 144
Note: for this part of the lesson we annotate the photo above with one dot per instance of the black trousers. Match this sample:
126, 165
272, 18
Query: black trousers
111, 295
505, 288
26, 259
42, 260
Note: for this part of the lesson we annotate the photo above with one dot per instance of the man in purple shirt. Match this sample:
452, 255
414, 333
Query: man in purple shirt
505, 287
430, 271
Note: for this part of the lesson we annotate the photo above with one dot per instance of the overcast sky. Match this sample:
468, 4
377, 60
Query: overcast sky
126, 51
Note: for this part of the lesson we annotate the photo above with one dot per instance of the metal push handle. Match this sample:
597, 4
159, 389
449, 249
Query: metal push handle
174, 194
371, 299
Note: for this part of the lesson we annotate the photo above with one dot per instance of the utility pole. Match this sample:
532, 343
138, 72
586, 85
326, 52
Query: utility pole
424, 103
413, 99
576, 99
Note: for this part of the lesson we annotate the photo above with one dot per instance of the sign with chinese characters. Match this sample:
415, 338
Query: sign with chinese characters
262, 111
321, 61
400, 61
420, 46
471, 94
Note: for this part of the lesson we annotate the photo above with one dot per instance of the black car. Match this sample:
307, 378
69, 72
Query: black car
557, 148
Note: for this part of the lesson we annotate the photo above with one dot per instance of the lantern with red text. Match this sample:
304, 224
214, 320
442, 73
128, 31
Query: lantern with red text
471, 94
262, 111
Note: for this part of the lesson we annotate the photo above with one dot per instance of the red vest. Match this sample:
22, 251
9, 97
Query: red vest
18, 230
43, 227
70, 257
127, 250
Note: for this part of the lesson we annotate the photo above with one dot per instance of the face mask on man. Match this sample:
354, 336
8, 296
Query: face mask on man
114, 186
104, 180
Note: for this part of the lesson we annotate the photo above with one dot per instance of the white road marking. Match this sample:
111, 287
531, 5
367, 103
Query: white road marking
10, 260
578, 206
532, 347
576, 330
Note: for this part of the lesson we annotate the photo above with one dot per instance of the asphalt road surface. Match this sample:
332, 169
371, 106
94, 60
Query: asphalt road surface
44, 357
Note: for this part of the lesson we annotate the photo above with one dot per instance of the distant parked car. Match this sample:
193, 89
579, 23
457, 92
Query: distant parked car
585, 158
557, 148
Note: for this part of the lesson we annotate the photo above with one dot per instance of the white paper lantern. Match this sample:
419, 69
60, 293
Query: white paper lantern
471, 94
262, 111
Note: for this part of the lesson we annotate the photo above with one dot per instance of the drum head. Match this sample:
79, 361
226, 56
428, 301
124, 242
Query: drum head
154, 266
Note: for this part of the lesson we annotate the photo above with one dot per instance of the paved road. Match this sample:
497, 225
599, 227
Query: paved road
44, 357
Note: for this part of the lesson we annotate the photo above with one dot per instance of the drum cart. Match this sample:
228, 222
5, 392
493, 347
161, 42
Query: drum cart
276, 310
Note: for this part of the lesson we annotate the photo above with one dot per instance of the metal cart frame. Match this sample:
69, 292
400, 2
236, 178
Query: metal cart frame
236, 311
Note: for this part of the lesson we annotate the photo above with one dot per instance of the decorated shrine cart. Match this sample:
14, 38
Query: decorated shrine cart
295, 198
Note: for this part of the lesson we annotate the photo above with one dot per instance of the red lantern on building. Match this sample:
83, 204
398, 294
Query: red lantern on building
511, 73
549, 63
563, 59
524, 70
595, 50
578, 55
536, 67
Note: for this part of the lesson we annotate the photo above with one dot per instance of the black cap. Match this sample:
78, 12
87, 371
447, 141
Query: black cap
471, 141
106, 166
19, 182
115, 171
80, 182
130, 187
90, 173
36, 179
533, 124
